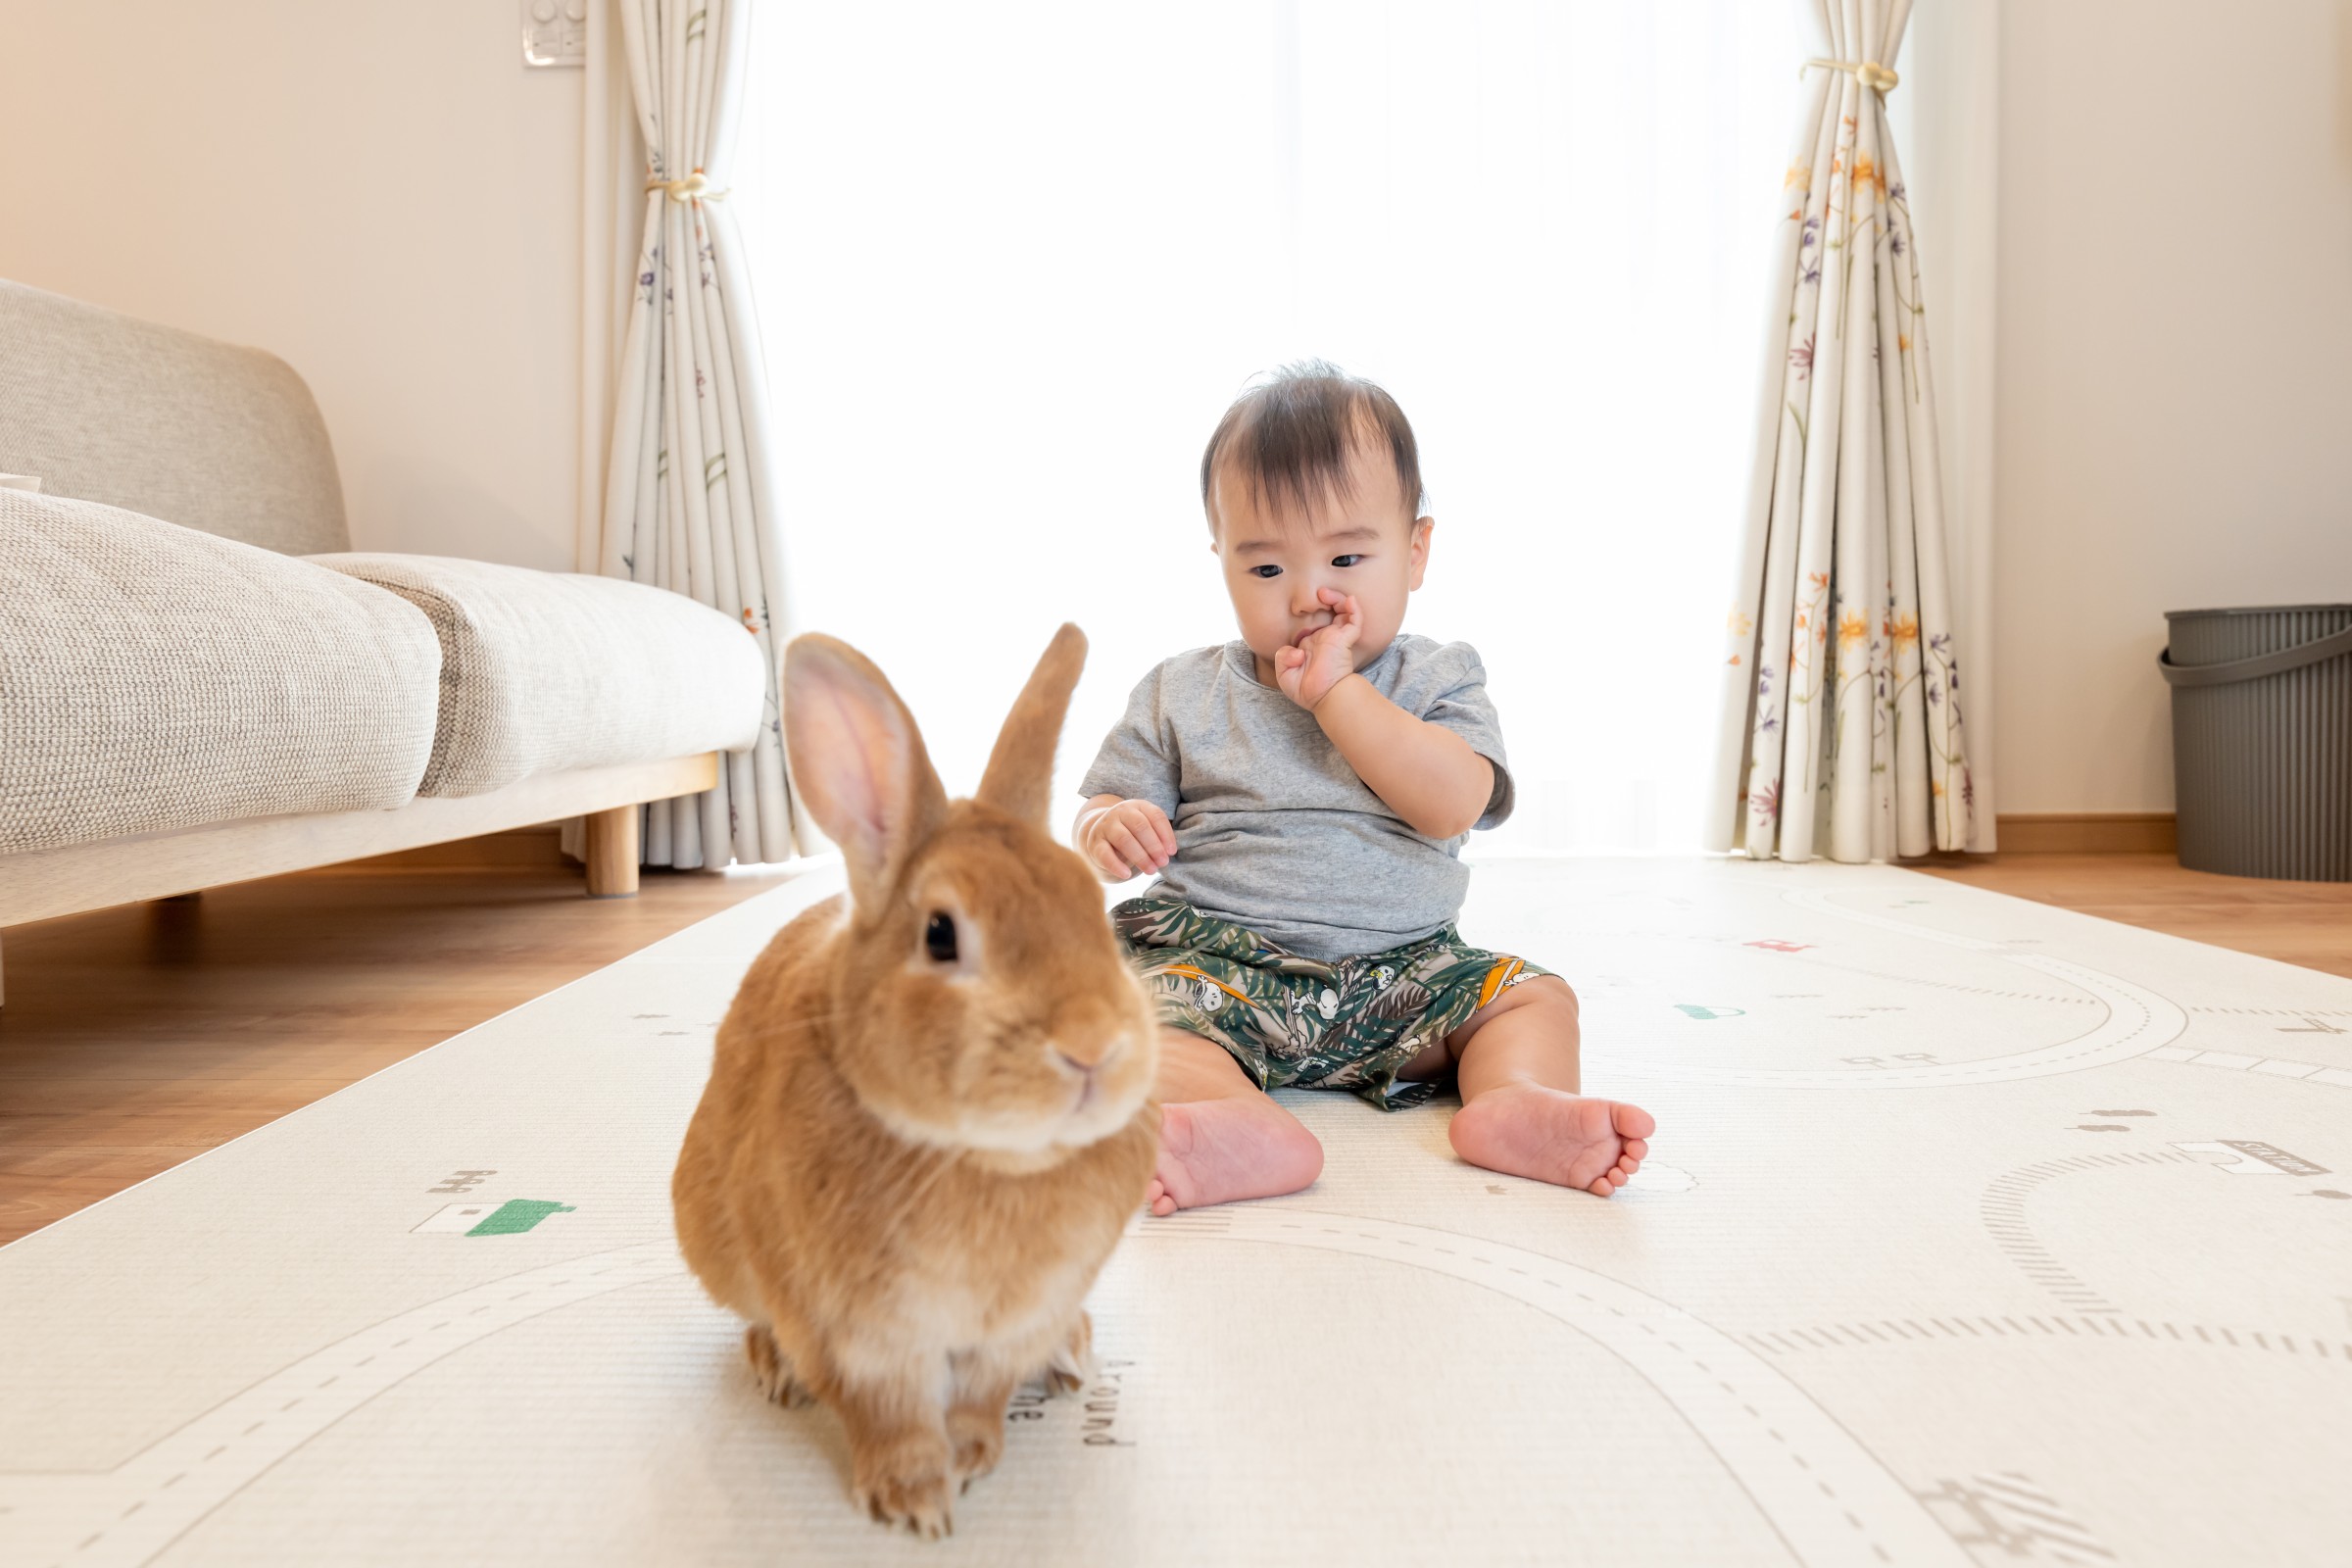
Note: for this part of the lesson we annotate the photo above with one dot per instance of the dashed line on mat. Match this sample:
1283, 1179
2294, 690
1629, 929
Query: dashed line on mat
1790, 1339
2310, 1072
1753, 1430
134, 1531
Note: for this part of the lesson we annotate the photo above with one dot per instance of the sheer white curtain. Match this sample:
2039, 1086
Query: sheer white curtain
1015, 260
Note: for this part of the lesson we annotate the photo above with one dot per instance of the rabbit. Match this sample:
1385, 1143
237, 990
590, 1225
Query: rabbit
930, 1112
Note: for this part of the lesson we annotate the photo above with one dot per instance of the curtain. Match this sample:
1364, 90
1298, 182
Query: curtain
1840, 728
689, 498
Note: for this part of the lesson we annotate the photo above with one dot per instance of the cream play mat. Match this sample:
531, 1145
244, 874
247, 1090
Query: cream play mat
1976, 1233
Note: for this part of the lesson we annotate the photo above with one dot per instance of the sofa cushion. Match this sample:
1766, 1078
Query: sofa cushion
152, 676
105, 407
543, 671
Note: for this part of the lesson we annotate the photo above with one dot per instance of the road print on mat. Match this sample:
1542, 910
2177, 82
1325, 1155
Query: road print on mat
513, 1217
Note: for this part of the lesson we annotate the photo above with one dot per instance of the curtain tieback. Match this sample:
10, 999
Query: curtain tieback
693, 188
1869, 72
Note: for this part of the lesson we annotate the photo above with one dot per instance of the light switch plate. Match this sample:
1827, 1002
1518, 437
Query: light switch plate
555, 32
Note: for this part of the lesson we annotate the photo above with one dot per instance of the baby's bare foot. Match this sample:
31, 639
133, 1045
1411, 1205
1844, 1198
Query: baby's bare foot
1215, 1150
1525, 1129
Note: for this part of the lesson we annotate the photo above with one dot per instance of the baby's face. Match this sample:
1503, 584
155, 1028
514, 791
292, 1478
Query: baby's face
1366, 543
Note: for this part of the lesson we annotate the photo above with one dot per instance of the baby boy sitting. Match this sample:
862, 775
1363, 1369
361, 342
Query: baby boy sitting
1305, 793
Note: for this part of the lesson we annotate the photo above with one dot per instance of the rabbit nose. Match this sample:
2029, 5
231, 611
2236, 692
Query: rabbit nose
1090, 1052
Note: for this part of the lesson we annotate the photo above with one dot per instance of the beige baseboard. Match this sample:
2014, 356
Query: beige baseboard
2087, 833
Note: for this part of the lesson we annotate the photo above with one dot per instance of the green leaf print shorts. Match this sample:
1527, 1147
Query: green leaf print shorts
1297, 1022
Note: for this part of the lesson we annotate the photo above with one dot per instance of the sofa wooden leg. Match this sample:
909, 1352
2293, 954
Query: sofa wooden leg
612, 853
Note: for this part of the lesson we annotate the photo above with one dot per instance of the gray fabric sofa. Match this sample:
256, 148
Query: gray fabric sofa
200, 683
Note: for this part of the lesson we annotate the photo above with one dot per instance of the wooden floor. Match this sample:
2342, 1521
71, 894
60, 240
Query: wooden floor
133, 1039
136, 1038
2309, 923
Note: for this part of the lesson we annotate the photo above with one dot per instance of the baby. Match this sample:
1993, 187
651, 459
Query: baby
1305, 793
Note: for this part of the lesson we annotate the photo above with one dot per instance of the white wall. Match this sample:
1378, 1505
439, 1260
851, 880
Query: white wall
380, 194
2174, 359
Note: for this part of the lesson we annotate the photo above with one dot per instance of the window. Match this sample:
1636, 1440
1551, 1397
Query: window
1012, 261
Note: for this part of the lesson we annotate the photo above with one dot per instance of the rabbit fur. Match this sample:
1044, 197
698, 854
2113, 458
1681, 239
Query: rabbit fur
907, 1170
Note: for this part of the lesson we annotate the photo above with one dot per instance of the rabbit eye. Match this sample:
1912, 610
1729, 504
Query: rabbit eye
939, 937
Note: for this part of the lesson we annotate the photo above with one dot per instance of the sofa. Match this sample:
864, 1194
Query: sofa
200, 682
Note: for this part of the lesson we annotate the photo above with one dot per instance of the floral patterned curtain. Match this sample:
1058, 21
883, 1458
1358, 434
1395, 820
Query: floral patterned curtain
691, 499
1841, 726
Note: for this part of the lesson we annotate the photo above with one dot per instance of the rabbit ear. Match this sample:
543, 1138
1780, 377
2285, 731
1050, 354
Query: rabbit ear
858, 761
1020, 770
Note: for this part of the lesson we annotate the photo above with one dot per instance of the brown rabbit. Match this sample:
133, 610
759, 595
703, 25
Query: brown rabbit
928, 1116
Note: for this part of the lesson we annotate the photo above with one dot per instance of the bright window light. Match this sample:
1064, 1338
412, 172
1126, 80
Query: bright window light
1013, 261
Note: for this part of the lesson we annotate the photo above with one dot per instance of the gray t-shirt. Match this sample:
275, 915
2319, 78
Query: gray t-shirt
1274, 831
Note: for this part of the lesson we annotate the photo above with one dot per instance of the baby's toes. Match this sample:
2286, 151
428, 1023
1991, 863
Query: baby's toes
1602, 1187
1638, 1149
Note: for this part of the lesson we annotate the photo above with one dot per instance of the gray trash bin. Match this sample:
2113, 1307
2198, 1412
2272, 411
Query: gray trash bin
2262, 740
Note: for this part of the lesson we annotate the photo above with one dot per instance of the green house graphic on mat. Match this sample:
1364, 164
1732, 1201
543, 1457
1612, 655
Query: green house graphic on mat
510, 1218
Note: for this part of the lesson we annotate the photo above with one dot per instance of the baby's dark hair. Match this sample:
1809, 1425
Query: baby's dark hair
1291, 436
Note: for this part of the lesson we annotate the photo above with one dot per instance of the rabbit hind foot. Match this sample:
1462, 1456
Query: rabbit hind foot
771, 1369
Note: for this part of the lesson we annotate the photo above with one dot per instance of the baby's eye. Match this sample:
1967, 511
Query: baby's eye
1265, 572
1346, 561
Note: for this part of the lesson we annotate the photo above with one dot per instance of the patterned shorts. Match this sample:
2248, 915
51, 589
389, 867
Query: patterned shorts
1297, 1022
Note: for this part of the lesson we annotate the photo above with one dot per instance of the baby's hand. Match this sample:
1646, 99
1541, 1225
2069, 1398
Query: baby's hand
1307, 672
1128, 839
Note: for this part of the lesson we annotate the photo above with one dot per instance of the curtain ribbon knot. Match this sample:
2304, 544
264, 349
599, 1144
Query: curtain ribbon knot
693, 188
1869, 72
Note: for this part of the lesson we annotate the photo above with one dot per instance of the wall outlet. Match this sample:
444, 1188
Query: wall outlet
555, 32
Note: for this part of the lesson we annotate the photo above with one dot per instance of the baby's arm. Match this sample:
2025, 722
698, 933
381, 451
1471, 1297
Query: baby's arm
1425, 773
1123, 837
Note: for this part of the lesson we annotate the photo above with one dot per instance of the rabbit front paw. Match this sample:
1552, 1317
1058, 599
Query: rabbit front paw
977, 1439
975, 1424
908, 1486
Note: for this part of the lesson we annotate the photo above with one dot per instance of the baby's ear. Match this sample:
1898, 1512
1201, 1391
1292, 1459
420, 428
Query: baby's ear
1423, 527
858, 761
